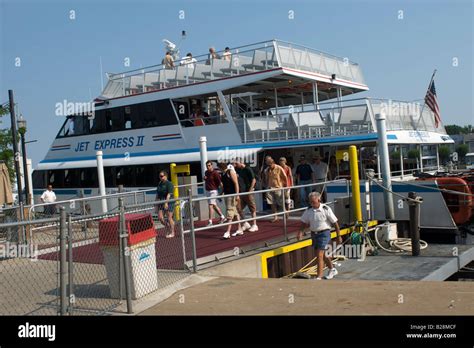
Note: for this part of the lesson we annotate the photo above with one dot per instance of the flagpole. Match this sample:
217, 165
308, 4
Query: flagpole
424, 100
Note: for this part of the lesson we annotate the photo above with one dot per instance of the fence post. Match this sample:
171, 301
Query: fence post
191, 228
70, 265
23, 228
83, 212
285, 230
62, 262
414, 209
181, 226
125, 253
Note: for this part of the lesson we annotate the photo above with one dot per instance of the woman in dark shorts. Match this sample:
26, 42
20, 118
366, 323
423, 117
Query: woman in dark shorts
164, 192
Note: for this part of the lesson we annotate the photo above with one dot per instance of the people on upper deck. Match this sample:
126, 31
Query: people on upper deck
227, 55
168, 61
189, 61
212, 55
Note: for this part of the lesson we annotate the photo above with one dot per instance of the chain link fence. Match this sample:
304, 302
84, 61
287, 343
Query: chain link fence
86, 264
90, 263
28, 280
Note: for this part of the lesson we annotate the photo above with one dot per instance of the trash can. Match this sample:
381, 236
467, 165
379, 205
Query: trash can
141, 243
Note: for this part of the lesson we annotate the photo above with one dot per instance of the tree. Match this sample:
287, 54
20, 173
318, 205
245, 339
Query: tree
444, 152
6, 143
413, 154
454, 129
395, 155
462, 150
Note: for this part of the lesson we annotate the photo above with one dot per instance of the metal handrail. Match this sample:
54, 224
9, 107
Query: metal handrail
267, 190
203, 56
99, 197
328, 55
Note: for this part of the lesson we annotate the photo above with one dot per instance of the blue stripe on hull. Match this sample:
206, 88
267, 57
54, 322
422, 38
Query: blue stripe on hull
331, 140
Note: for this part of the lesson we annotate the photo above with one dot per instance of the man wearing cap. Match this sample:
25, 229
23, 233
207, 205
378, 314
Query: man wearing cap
319, 218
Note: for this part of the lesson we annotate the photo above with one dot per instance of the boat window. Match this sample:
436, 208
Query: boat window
109, 174
127, 117
68, 128
124, 176
151, 114
201, 112
81, 125
56, 178
70, 178
88, 177
145, 175
98, 124
39, 179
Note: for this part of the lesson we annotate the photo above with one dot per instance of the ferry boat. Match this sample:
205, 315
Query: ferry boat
268, 98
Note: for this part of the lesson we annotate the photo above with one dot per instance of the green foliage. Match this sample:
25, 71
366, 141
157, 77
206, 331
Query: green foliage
4, 110
454, 129
6, 143
395, 155
462, 150
413, 154
444, 152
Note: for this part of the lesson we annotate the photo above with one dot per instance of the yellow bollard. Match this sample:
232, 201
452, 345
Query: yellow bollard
174, 171
355, 183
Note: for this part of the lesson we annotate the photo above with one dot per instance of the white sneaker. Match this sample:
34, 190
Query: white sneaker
209, 223
254, 228
223, 219
237, 233
246, 226
226, 235
317, 278
332, 272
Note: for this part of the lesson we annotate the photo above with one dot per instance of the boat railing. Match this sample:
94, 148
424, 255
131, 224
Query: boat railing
291, 55
241, 60
203, 121
262, 126
343, 117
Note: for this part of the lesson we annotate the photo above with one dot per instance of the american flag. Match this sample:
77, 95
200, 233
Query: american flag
432, 101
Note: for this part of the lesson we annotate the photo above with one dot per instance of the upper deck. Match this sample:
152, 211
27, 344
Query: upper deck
243, 60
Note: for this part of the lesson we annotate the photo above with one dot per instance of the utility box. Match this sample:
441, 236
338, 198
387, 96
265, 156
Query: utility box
342, 209
388, 232
142, 261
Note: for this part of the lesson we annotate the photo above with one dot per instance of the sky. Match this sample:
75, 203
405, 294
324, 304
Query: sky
50, 54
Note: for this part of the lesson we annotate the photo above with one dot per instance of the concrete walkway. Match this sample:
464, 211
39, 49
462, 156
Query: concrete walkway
246, 296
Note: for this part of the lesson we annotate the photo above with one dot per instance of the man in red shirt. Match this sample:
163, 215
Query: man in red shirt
212, 180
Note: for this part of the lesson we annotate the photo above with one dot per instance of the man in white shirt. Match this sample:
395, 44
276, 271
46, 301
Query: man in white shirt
227, 55
189, 61
49, 197
319, 218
